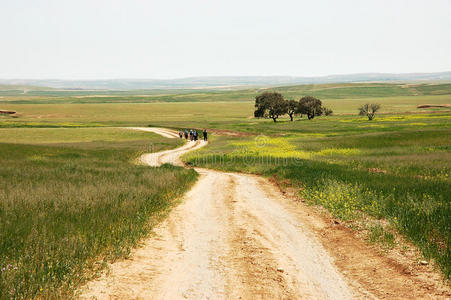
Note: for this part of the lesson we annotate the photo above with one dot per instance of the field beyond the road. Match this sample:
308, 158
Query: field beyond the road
395, 168
215, 109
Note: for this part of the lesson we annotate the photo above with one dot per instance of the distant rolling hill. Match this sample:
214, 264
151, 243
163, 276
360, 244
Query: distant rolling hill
21, 87
324, 91
218, 82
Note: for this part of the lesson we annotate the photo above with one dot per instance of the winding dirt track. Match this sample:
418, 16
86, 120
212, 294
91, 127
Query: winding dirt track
234, 236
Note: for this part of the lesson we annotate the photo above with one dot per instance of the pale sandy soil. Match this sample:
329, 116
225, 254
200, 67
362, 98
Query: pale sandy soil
170, 134
237, 236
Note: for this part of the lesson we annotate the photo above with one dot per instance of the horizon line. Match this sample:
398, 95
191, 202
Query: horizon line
222, 76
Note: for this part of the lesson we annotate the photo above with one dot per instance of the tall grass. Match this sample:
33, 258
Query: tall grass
62, 209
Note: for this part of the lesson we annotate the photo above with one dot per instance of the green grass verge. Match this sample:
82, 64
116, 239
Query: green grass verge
68, 204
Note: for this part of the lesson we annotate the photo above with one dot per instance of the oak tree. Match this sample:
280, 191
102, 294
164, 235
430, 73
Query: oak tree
310, 106
270, 105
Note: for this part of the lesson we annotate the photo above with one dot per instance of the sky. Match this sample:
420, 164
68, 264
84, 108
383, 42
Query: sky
101, 39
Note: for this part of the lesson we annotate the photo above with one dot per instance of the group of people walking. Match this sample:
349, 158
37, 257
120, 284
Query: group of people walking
193, 135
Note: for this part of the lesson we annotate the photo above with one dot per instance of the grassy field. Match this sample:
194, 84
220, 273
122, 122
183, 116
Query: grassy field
396, 168
170, 114
70, 198
219, 115
215, 109
322, 91
65, 196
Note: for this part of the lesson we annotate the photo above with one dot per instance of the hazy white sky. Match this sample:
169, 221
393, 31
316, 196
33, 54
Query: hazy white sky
76, 39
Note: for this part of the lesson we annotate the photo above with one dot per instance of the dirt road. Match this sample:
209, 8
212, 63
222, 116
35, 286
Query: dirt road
234, 236
167, 133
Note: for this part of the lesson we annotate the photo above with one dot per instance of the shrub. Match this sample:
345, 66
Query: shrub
369, 110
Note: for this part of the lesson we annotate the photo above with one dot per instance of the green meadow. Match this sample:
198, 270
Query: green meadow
72, 195
72, 200
395, 168
348, 91
197, 108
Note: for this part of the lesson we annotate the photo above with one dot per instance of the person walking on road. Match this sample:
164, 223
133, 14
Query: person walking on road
191, 135
180, 134
205, 135
186, 134
195, 135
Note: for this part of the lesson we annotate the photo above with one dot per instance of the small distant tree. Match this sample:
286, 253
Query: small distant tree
327, 111
310, 106
292, 108
369, 110
270, 105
